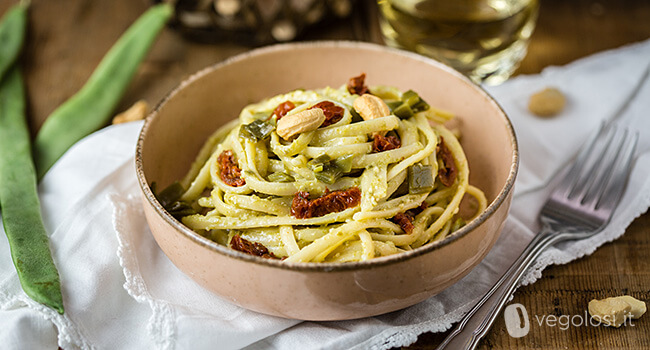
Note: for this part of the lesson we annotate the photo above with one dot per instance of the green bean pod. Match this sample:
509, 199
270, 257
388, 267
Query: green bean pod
12, 35
21, 215
91, 107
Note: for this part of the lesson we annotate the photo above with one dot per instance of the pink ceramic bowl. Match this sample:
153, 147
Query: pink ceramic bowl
175, 131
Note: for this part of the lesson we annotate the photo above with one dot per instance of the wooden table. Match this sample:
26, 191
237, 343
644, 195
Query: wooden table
67, 38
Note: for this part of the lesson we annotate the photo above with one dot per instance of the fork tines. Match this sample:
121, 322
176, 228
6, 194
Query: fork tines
597, 178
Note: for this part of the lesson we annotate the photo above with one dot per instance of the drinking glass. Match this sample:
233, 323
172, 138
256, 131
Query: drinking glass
483, 39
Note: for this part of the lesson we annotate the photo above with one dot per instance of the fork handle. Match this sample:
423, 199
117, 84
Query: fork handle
480, 318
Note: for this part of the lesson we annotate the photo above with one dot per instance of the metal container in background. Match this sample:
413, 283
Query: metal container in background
254, 22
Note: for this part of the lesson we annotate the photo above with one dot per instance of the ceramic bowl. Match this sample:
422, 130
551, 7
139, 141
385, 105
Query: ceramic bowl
177, 128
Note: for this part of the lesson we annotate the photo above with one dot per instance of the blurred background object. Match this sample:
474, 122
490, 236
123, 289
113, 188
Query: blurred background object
254, 22
483, 39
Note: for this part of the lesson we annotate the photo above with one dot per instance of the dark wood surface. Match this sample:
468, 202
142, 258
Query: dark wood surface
67, 38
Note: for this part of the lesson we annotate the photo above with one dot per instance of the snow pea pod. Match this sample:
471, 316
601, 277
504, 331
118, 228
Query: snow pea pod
21, 215
91, 107
12, 35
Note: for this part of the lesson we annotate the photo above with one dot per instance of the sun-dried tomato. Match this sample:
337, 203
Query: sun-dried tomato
245, 246
385, 143
448, 171
283, 108
333, 113
229, 172
405, 219
356, 85
331, 202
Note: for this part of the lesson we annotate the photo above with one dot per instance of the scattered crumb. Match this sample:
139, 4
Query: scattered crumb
136, 112
547, 103
616, 311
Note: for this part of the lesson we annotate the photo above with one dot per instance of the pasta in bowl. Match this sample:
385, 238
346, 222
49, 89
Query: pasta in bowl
329, 222
331, 174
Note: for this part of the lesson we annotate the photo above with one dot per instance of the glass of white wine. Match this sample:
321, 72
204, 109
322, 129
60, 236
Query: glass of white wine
483, 39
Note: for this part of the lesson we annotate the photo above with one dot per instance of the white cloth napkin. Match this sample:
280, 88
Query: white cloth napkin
121, 291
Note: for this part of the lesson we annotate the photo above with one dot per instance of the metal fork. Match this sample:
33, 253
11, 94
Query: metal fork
579, 207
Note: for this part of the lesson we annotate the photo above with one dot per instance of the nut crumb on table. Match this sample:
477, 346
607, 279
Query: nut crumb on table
617, 310
547, 103
136, 112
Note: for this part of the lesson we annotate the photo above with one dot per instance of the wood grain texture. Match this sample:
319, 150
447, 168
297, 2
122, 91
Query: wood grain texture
568, 30
68, 38
617, 268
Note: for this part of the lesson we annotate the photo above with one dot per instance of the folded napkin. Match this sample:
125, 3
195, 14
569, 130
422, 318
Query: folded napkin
121, 292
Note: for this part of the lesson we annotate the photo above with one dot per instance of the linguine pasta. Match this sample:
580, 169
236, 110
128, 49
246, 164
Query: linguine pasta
359, 188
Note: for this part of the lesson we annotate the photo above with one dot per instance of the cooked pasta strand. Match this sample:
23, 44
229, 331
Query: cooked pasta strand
319, 168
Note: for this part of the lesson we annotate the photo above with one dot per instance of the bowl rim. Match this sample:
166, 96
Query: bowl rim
323, 266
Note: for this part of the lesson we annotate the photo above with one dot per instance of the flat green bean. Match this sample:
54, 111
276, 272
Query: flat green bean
12, 35
91, 107
21, 215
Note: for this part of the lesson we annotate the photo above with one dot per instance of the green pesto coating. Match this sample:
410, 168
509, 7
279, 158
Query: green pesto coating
280, 177
21, 215
92, 106
12, 35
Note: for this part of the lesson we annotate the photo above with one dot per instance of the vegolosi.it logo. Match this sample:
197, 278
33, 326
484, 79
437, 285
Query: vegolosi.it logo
518, 322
